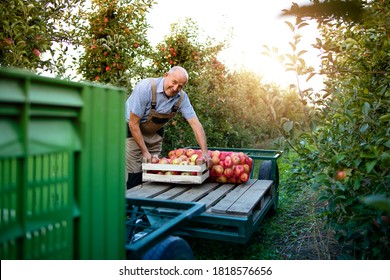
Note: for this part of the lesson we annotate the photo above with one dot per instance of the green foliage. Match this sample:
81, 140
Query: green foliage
227, 104
31, 31
115, 42
347, 127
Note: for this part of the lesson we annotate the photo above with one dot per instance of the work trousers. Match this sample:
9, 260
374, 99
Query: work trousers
134, 157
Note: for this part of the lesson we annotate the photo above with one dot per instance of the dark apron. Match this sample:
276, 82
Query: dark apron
154, 124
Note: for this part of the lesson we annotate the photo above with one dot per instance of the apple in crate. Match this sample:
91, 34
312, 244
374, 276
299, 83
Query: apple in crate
164, 160
190, 152
194, 157
155, 159
172, 153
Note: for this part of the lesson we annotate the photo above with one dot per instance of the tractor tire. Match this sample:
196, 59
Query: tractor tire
265, 173
171, 248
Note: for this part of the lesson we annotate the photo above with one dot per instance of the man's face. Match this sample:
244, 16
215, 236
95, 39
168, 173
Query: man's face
174, 83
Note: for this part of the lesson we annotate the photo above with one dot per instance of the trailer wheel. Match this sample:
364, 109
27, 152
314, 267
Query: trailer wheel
171, 248
265, 173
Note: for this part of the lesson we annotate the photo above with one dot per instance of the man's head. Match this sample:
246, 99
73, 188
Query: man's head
174, 80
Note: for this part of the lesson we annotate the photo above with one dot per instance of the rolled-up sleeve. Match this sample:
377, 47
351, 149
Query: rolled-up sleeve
186, 108
138, 102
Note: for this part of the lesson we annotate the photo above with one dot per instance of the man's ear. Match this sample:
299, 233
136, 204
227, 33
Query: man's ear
166, 75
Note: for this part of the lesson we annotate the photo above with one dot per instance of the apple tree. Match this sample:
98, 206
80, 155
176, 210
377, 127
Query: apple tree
33, 32
227, 103
115, 42
343, 140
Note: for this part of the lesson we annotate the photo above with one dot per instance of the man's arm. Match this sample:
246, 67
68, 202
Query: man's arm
200, 137
134, 125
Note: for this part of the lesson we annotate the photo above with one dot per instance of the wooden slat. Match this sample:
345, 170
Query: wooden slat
172, 193
147, 190
231, 197
215, 195
247, 201
195, 193
178, 179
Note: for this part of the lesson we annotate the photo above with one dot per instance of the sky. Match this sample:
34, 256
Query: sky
253, 23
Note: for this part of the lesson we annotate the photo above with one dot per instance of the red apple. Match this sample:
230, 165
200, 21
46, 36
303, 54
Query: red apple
221, 179
218, 170
223, 155
215, 160
200, 160
183, 157
249, 161
215, 153
179, 152
340, 175
238, 170
228, 172
171, 153
247, 169
232, 179
244, 177
155, 159
164, 160
228, 162
236, 159
190, 152
36, 52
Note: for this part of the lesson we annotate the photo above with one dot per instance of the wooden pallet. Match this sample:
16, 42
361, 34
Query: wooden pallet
235, 209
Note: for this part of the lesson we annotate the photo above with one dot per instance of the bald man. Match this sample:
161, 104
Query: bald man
151, 105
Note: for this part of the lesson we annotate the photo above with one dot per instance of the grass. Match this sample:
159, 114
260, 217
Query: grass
295, 232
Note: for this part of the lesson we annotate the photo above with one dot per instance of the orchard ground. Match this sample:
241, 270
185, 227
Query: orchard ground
296, 232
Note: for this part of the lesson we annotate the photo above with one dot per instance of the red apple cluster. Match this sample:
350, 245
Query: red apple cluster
230, 167
180, 156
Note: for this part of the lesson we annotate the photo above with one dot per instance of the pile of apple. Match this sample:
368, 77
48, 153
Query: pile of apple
226, 167
180, 156
230, 167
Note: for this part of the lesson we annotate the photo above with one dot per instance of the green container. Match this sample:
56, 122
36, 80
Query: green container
62, 169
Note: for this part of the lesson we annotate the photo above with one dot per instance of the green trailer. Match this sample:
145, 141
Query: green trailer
232, 212
61, 176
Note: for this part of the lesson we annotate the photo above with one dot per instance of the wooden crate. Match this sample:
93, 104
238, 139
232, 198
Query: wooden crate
149, 173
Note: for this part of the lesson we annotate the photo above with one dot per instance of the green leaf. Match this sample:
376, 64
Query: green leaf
288, 126
370, 165
364, 128
384, 118
366, 108
377, 201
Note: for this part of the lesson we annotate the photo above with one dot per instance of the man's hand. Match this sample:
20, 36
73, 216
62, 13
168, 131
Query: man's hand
147, 156
207, 158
